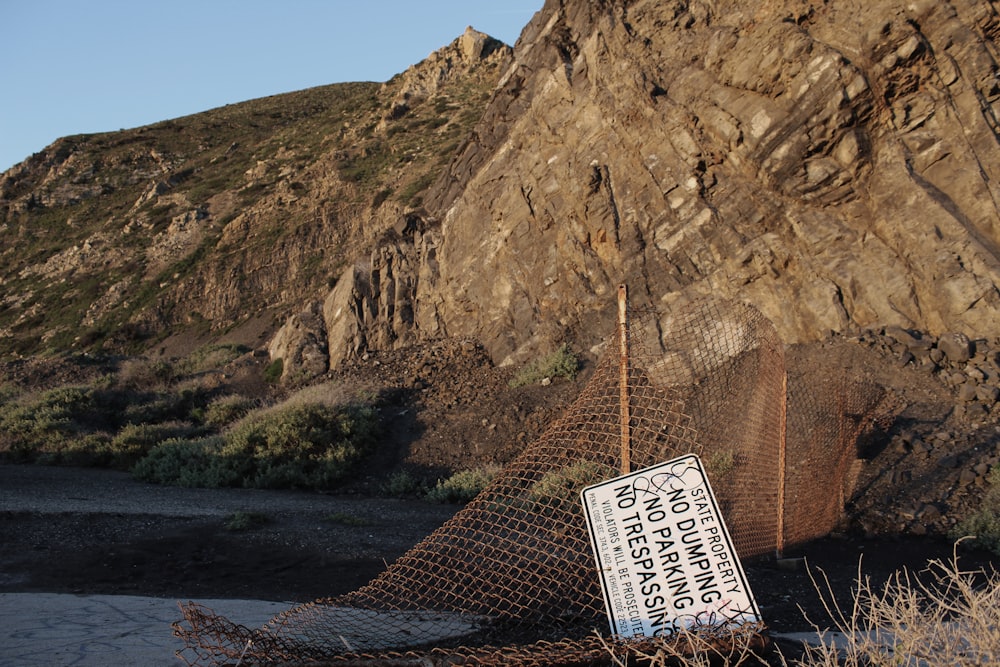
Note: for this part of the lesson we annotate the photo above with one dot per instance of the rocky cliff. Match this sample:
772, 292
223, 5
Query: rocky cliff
836, 164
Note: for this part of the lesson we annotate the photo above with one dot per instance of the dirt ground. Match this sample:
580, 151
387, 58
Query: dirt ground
315, 546
448, 408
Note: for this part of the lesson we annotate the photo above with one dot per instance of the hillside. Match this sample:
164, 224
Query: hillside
201, 224
833, 166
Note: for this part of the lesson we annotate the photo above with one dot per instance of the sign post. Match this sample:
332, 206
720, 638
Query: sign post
663, 552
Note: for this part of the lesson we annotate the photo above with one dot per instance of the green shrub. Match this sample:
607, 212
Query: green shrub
274, 371
561, 363
85, 450
984, 524
183, 462
133, 441
246, 520
302, 446
39, 426
101, 449
171, 405
311, 446
721, 463
227, 409
463, 486
560, 489
8, 394
401, 484
87, 425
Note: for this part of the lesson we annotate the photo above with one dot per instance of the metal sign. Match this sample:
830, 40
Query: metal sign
664, 555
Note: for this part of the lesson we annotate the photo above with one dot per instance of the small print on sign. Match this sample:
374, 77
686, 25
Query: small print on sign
665, 558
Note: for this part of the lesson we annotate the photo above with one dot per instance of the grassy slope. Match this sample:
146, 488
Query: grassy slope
83, 218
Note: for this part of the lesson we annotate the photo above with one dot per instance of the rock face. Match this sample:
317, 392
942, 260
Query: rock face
835, 164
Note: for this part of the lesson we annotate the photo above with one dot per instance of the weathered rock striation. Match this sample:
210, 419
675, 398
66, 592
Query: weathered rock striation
835, 164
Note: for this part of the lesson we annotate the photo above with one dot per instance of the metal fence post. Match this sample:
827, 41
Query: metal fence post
626, 416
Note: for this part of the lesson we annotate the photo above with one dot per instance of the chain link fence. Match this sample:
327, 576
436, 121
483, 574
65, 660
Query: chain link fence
511, 578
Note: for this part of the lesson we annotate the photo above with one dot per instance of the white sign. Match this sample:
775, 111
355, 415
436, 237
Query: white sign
665, 558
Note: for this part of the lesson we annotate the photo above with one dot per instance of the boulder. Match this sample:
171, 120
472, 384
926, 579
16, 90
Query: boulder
957, 347
301, 344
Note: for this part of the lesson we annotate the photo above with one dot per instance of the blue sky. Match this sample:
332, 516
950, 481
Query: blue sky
79, 66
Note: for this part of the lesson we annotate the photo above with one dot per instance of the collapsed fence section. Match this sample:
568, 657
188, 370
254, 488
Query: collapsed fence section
511, 578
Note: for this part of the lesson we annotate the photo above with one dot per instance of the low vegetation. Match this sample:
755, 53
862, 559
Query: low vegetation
694, 647
159, 420
721, 463
310, 446
941, 616
984, 524
211, 357
463, 486
163, 421
402, 484
561, 363
96, 425
226, 409
559, 490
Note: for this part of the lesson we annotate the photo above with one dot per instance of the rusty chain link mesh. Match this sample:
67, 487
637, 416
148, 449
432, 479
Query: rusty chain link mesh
511, 578
830, 413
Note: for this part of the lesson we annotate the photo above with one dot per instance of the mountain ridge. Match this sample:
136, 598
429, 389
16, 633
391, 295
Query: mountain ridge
193, 226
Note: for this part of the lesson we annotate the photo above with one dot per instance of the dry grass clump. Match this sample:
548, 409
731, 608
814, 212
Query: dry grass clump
942, 616
697, 646
330, 394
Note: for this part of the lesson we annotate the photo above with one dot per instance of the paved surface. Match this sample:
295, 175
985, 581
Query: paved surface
50, 630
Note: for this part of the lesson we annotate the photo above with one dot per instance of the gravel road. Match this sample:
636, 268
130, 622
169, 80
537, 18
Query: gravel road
56, 490
80, 530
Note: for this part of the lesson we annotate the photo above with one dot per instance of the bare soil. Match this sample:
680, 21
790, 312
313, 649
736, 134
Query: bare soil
447, 408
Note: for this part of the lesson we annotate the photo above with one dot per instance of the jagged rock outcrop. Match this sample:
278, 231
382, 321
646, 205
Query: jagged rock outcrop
303, 353
427, 77
833, 163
